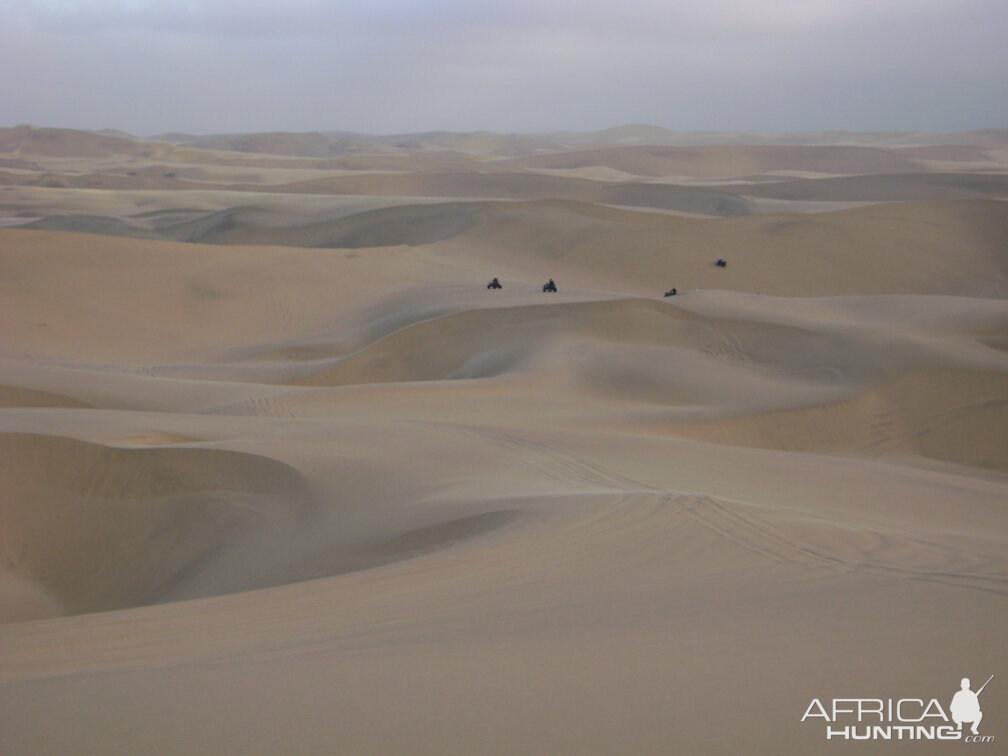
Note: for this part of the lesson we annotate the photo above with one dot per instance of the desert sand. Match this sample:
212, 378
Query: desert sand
280, 475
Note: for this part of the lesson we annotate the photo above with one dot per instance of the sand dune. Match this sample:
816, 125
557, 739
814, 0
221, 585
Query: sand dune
887, 188
53, 177
953, 248
930, 249
149, 524
626, 135
725, 161
87, 224
297, 145
946, 416
48, 142
898, 249
270, 449
14, 396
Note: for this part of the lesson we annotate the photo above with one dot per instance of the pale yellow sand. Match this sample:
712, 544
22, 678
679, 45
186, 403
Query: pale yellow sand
312, 488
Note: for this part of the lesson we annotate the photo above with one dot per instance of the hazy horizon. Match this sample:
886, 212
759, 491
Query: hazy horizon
346, 133
395, 67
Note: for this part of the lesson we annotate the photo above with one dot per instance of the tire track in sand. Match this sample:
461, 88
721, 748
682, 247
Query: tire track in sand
864, 550
817, 545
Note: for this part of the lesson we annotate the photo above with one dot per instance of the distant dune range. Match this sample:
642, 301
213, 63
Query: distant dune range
178, 180
263, 427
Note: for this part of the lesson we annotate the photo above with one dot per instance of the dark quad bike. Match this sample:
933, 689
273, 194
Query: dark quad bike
494, 284
721, 263
549, 286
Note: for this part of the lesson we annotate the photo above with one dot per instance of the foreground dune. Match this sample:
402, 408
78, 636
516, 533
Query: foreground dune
279, 474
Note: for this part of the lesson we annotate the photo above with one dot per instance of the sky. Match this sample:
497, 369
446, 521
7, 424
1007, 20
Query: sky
401, 66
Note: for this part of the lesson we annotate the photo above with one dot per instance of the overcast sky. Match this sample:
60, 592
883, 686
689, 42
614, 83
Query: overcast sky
395, 66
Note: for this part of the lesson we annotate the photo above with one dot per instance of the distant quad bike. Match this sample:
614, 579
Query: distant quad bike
671, 292
494, 284
721, 262
549, 286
